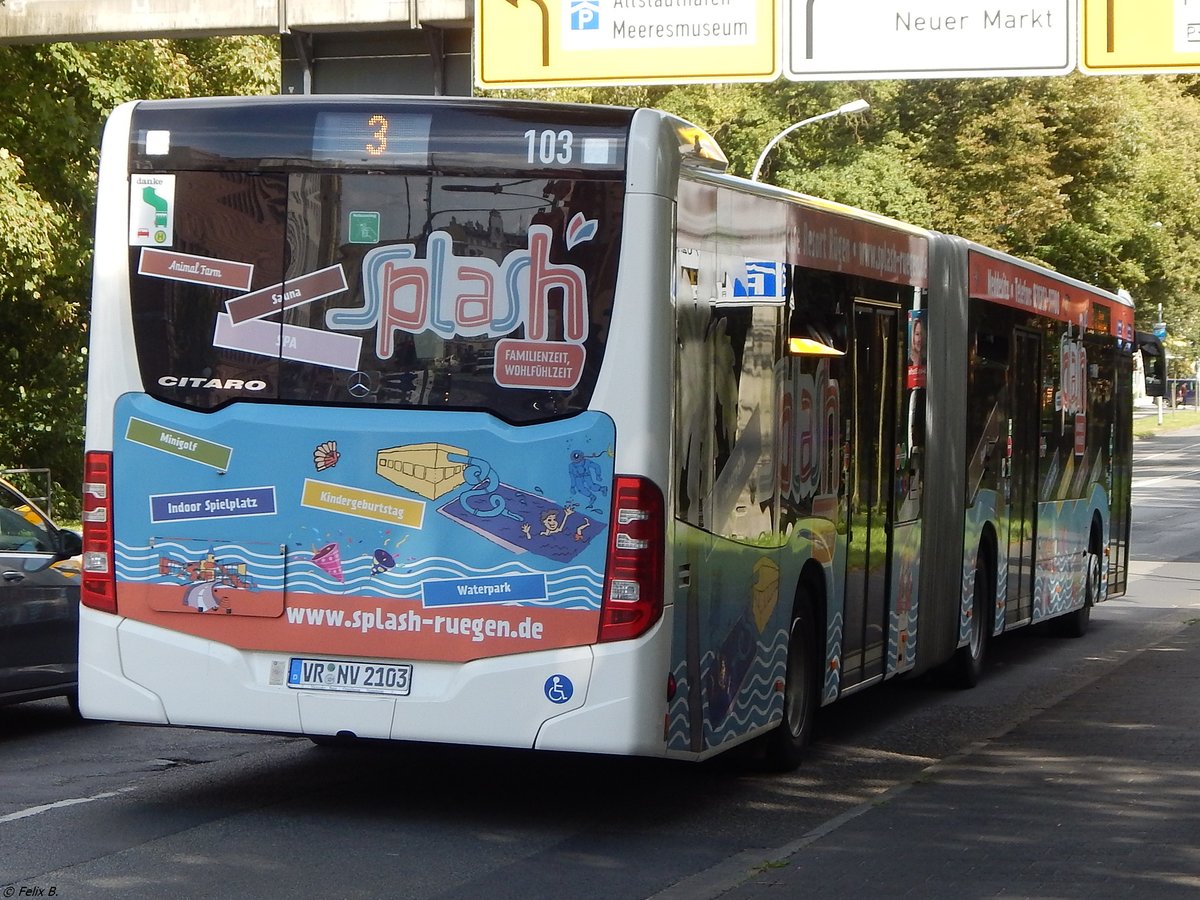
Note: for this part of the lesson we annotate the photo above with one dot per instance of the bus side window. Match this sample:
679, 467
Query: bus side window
693, 414
1154, 362
744, 416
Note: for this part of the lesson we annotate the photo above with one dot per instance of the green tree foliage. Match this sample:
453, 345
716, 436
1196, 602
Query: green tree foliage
1097, 177
55, 99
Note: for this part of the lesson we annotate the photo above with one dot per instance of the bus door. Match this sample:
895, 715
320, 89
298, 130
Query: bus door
1120, 461
1021, 471
873, 440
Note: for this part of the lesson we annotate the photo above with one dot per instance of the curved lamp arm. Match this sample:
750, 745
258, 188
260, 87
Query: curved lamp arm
854, 106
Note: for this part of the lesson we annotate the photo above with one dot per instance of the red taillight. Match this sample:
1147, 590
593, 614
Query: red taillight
633, 581
99, 588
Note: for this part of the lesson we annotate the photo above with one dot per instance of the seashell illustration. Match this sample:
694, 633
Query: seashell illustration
326, 455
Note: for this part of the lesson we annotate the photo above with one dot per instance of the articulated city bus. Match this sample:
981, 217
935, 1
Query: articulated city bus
526, 425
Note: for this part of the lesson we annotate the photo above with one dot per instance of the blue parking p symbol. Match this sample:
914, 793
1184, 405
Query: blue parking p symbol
585, 15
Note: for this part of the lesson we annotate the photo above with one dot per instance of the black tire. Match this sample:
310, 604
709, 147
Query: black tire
785, 745
1075, 624
333, 741
966, 666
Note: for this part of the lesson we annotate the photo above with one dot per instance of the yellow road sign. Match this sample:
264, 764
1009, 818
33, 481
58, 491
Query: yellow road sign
560, 43
1139, 37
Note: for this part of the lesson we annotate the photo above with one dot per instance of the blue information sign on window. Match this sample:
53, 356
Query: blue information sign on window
466, 591
232, 503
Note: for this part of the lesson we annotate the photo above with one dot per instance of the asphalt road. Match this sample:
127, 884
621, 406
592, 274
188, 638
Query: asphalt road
107, 810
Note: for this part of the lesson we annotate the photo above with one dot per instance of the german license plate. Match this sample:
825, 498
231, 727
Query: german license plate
345, 675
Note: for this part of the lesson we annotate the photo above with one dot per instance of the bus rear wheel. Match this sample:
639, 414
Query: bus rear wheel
966, 666
785, 745
1075, 624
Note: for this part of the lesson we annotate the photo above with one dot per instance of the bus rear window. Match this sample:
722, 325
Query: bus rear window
373, 289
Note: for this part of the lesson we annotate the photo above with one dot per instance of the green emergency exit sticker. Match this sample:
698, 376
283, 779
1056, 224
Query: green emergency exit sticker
177, 443
364, 228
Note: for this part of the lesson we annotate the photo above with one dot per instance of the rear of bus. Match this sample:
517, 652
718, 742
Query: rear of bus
370, 436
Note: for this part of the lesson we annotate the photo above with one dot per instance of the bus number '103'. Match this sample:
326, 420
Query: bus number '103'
550, 146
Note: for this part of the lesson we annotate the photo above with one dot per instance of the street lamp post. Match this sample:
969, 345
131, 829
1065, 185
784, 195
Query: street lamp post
854, 106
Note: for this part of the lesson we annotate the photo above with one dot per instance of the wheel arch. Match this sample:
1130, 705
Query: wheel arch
785, 744
988, 550
812, 589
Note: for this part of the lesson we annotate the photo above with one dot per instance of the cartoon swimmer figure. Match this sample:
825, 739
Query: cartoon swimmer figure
550, 523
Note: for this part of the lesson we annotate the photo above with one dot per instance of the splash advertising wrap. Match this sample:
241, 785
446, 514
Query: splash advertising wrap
458, 540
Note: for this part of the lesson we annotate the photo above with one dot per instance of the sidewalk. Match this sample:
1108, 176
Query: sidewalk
1098, 796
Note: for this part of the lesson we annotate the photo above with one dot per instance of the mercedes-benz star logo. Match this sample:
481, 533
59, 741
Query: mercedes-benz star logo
359, 384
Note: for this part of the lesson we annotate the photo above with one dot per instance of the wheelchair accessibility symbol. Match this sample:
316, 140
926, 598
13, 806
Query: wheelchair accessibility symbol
559, 689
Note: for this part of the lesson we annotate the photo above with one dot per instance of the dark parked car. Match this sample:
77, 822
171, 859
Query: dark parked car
39, 603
